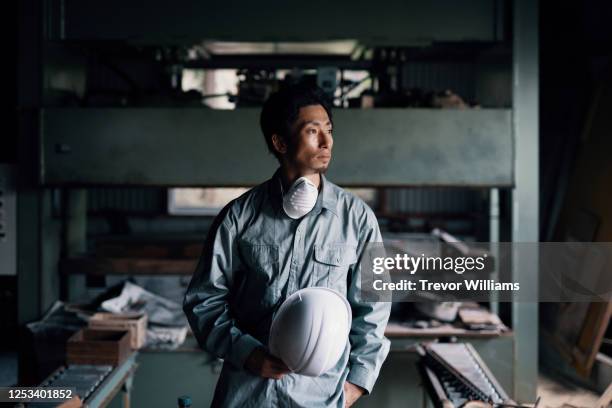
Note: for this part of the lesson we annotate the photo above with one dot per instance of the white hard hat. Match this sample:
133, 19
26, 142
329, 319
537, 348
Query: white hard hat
310, 330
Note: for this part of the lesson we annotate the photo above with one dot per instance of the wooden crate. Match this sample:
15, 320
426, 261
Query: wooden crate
93, 346
136, 324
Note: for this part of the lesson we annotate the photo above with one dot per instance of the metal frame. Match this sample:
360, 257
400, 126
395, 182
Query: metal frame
523, 129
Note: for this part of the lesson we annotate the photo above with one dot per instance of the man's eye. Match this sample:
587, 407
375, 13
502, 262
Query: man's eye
329, 131
311, 131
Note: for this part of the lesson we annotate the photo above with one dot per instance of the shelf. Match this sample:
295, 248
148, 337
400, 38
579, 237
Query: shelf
397, 331
127, 266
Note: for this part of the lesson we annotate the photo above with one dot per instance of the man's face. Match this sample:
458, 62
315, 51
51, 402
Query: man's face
311, 146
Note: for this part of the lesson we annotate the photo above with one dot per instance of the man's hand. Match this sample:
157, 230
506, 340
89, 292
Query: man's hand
352, 393
265, 365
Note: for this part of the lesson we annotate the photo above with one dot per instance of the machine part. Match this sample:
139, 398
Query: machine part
84, 377
455, 373
443, 311
310, 330
448, 100
184, 401
255, 87
327, 79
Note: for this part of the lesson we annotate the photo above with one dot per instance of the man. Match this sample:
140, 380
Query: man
296, 230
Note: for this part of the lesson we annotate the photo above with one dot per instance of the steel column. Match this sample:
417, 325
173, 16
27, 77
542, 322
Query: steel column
525, 203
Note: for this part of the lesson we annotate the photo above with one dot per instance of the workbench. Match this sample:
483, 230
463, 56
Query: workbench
163, 375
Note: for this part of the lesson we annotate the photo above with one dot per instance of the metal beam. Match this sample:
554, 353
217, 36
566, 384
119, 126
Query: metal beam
494, 213
393, 22
275, 62
205, 147
525, 214
438, 52
28, 202
8, 221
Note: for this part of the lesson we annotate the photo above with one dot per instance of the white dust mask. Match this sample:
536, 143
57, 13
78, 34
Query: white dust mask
301, 198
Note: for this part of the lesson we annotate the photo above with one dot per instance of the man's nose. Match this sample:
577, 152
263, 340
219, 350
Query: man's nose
325, 139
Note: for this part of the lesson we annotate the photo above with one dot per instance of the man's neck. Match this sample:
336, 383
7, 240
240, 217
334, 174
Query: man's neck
289, 175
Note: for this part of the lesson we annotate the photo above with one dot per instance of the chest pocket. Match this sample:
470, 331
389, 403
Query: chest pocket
262, 271
332, 263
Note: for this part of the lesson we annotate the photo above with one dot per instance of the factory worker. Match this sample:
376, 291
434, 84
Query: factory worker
295, 230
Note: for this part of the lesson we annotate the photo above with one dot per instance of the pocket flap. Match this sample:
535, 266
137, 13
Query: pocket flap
336, 255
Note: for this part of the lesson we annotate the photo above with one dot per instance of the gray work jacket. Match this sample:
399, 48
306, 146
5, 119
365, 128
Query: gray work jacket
255, 256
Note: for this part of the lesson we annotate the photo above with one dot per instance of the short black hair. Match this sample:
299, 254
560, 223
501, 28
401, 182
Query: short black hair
282, 108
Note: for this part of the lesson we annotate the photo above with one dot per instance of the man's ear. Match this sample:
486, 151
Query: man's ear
279, 144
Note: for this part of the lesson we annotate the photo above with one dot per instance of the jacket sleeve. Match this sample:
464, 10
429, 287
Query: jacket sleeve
369, 346
206, 300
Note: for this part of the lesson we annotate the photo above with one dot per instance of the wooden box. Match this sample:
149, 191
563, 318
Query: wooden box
93, 346
136, 324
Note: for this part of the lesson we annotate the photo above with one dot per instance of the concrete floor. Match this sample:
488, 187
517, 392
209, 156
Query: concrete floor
556, 393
